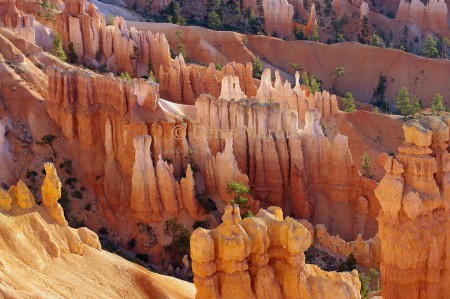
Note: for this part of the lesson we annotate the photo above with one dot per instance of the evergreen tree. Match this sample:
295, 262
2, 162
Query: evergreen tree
348, 102
379, 93
443, 43
430, 48
436, 104
214, 21
375, 40
238, 190
257, 67
337, 72
57, 48
416, 106
315, 34
315, 84
403, 102
305, 79
364, 29
298, 32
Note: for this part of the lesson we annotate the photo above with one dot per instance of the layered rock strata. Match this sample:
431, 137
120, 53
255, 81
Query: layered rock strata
262, 257
413, 222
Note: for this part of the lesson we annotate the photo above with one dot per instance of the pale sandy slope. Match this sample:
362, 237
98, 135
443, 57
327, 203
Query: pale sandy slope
30, 269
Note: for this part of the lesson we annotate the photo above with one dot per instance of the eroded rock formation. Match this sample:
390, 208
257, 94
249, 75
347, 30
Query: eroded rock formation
432, 16
51, 193
22, 196
286, 166
16, 20
413, 222
278, 18
262, 257
119, 48
295, 98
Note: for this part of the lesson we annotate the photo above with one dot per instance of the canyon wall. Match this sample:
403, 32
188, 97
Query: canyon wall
120, 124
414, 224
262, 257
432, 16
16, 20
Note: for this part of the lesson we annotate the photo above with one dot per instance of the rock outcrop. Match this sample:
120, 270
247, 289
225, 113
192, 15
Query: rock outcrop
51, 193
366, 252
278, 18
295, 98
432, 16
414, 224
22, 196
262, 257
289, 168
120, 49
312, 21
123, 119
16, 20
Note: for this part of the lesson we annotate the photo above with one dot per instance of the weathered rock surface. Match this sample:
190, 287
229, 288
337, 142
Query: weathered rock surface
51, 193
413, 222
16, 20
22, 196
295, 98
432, 16
278, 18
262, 257
292, 168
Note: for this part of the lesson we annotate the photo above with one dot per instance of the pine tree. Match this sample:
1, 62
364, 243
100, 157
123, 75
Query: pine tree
214, 21
375, 40
436, 104
257, 67
305, 79
430, 48
379, 93
348, 102
416, 106
403, 101
337, 72
57, 48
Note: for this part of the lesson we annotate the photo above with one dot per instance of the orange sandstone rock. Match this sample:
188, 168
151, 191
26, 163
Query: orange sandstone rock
262, 257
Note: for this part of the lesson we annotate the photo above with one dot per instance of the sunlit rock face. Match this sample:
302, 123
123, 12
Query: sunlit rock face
432, 16
414, 218
262, 257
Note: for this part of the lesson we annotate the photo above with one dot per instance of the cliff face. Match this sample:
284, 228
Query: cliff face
432, 16
262, 257
278, 16
16, 20
413, 221
103, 114
289, 168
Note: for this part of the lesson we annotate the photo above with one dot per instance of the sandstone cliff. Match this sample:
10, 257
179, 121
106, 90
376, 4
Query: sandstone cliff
262, 257
278, 16
413, 220
432, 16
